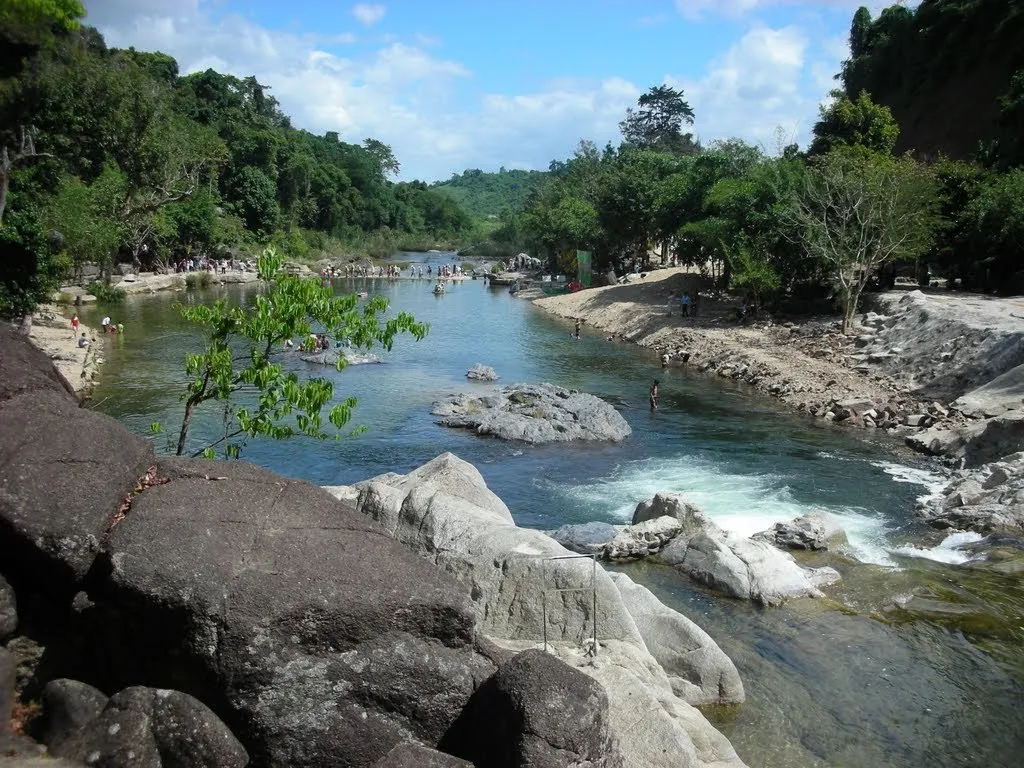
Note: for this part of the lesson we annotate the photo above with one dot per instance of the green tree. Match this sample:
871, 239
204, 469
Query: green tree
256, 199
657, 123
242, 345
859, 210
852, 123
85, 218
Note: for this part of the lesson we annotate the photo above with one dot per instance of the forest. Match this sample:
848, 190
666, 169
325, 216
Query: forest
113, 156
491, 196
797, 228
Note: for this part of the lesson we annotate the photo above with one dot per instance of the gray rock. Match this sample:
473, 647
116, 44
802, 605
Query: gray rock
551, 714
987, 499
977, 442
69, 706
698, 669
150, 727
332, 357
481, 372
642, 539
410, 755
8, 681
669, 504
806, 532
739, 567
585, 538
534, 413
8, 610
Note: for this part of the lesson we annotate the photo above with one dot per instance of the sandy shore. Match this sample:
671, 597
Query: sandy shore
808, 365
79, 366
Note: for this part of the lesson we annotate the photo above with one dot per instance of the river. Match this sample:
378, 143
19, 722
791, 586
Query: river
844, 682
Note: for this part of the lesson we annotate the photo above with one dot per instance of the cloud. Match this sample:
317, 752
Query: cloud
368, 15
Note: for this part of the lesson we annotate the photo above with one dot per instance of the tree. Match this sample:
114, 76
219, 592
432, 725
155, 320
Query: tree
859, 210
849, 123
859, 30
658, 122
85, 218
242, 346
389, 165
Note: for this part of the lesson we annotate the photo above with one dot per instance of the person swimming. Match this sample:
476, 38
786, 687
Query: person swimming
654, 395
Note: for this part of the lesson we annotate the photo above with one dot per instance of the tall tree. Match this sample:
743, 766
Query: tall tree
658, 122
854, 122
859, 210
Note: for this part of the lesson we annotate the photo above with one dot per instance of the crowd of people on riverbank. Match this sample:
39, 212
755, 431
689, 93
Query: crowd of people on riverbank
393, 271
214, 266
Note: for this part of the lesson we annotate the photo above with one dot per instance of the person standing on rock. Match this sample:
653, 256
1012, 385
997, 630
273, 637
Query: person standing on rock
74, 325
654, 395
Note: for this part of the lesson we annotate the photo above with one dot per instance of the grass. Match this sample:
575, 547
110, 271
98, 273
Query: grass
195, 280
107, 294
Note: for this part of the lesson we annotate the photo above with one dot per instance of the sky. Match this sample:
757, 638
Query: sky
458, 84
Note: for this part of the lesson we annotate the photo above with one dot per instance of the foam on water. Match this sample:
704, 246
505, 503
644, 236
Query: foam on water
933, 482
741, 503
948, 551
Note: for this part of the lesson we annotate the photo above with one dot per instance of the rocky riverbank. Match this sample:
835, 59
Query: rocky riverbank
945, 372
52, 334
233, 615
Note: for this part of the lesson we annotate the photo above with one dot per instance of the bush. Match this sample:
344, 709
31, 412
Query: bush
106, 294
195, 280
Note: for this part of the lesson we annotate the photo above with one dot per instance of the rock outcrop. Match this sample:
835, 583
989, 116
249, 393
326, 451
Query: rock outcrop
444, 512
813, 531
534, 413
8, 610
332, 357
987, 499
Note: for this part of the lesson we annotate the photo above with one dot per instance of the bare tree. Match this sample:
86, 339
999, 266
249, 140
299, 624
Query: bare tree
857, 211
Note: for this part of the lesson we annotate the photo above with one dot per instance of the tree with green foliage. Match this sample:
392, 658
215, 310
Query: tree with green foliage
857, 211
658, 121
854, 123
84, 216
243, 348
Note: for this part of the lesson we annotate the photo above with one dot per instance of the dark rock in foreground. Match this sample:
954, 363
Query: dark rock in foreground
534, 413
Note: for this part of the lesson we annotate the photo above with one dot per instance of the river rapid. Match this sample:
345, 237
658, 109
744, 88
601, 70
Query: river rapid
853, 680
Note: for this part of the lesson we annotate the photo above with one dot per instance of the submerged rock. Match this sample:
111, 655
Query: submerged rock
534, 413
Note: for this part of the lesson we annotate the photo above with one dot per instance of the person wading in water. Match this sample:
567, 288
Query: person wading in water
654, 395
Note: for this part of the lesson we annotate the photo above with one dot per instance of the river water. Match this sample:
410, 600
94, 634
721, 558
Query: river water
844, 682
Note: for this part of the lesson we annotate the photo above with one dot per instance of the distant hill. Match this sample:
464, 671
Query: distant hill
944, 68
483, 194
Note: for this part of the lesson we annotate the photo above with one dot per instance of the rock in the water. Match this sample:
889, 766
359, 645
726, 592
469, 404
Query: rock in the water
642, 539
552, 714
585, 538
737, 566
534, 413
813, 531
331, 357
481, 372
8, 610
663, 504
698, 669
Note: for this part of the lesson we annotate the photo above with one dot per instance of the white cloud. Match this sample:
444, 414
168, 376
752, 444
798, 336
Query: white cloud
368, 14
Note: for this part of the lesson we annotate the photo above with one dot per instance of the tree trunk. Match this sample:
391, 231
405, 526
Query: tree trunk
190, 406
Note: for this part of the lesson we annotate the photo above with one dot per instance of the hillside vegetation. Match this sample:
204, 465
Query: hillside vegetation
491, 195
946, 71
112, 155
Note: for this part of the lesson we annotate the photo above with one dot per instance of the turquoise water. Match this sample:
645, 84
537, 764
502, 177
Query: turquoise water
735, 454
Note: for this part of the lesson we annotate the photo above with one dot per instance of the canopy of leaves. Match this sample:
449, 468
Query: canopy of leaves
658, 121
856, 122
491, 195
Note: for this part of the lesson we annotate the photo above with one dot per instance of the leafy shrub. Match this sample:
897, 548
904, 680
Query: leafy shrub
106, 294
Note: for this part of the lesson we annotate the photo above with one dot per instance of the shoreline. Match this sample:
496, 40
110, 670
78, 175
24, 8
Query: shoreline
78, 366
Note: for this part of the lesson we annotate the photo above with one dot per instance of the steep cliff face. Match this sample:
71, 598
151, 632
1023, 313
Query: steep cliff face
941, 68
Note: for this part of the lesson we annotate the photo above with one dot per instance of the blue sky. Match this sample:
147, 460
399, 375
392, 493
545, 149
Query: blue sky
456, 84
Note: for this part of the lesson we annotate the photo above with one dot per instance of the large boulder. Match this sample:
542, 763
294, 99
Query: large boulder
149, 728
642, 539
537, 711
24, 369
64, 472
813, 531
987, 499
976, 442
738, 566
481, 372
8, 610
699, 671
69, 706
412, 755
320, 639
585, 538
506, 570
534, 413
665, 504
